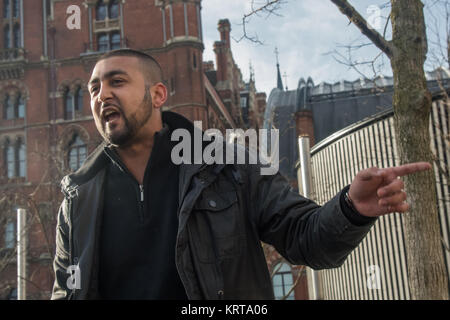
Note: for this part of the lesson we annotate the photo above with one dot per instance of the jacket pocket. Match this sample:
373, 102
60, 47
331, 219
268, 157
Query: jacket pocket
217, 226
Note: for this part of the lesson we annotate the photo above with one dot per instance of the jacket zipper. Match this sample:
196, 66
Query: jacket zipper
141, 203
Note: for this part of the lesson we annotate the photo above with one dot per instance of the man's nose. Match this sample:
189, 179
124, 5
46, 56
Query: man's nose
104, 94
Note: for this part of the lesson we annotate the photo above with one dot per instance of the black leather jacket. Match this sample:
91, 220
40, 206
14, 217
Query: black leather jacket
225, 212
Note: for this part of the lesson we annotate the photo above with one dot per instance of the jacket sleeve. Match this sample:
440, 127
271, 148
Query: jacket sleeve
302, 231
61, 261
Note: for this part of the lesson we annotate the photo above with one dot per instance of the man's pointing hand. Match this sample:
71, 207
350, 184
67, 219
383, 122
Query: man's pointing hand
375, 192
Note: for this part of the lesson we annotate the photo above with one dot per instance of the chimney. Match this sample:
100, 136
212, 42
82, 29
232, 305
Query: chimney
221, 60
224, 29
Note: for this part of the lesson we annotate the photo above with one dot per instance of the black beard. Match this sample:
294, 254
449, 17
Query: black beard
131, 124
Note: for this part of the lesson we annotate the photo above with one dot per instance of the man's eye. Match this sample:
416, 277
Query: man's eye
117, 81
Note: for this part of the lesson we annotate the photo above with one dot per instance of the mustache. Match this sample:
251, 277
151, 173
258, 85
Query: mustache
116, 106
107, 104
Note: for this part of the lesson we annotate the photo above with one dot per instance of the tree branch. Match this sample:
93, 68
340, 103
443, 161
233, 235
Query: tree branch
362, 25
270, 7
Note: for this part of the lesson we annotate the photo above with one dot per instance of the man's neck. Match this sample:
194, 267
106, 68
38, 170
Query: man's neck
136, 155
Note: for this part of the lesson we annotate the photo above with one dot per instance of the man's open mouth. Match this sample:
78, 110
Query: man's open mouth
111, 115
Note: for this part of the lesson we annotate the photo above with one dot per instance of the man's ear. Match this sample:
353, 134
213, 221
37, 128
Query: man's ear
159, 94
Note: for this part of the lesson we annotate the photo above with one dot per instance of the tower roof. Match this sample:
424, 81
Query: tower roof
279, 81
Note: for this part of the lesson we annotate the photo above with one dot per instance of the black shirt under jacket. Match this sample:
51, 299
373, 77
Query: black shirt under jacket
139, 228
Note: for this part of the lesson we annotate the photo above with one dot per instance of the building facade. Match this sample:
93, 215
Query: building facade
47, 51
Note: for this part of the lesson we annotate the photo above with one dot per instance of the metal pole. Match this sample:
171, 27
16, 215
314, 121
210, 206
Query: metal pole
305, 168
21, 254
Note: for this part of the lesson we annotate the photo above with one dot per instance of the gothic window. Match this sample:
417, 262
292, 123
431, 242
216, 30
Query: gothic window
79, 100
11, 31
283, 282
115, 40
101, 11
77, 153
68, 105
10, 235
13, 106
15, 158
102, 42
73, 103
9, 108
113, 9
104, 11
108, 41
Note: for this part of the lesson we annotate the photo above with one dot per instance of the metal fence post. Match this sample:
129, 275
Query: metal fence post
21, 254
306, 186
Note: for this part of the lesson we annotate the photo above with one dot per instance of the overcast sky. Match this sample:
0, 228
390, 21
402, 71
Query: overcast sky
304, 31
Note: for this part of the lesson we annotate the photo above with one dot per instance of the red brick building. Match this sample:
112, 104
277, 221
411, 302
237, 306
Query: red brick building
47, 51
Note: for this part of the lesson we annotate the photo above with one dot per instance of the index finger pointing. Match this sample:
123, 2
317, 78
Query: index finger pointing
409, 168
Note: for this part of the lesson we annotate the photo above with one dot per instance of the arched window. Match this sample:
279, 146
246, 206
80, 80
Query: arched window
15, 158
113, 9
101, 11
283, 282
68, 105
9, 108
77, 153
115, 40
79, 100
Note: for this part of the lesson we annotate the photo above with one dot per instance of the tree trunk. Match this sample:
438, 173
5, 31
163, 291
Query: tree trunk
412, 106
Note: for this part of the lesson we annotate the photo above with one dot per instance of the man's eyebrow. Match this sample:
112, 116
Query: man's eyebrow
108, 75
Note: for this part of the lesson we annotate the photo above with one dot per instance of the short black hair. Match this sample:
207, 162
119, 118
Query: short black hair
152, 69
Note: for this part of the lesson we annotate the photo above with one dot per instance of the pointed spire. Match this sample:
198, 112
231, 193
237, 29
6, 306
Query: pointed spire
279, 81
